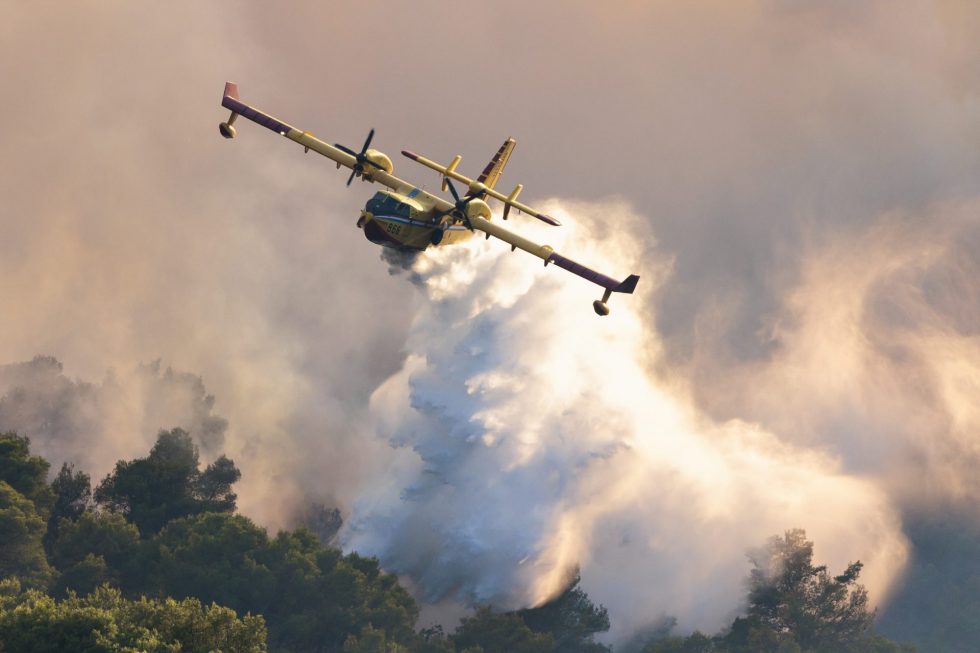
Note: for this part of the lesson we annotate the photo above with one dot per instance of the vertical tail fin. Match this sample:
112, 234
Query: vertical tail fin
492, 172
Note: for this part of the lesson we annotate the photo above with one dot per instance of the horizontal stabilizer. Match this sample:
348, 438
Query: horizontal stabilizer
477, 187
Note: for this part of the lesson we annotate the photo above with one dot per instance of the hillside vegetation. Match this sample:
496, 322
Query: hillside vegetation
156, 558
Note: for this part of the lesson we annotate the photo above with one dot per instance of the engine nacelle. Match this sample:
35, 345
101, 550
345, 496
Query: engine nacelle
478, 209
379, 158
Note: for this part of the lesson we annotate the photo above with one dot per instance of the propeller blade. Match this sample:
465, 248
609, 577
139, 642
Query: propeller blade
353, 174
452, 189
367, 143
346, 149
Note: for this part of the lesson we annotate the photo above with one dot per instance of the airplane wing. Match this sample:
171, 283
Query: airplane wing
549, 255
231, 101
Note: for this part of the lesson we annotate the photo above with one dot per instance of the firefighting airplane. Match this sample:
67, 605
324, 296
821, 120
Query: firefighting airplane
409, 218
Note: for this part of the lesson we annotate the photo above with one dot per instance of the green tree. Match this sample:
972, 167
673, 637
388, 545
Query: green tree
314, 598
96, 548
494, 632
72, 493
214, 557
795, 605
167, 484
749, 635
25, 473
322, 596
106, 622
572, 619
695, 643
372, 640
213, 486
72, 497
433, 640
21, 532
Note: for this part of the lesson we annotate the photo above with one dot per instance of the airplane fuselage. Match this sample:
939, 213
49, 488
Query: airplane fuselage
396, 220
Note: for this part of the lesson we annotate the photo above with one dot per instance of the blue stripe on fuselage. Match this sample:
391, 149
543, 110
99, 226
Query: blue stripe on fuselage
416, 223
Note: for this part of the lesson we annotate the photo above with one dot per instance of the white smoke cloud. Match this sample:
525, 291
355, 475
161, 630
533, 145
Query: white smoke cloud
94, 424
875, 355
537, 438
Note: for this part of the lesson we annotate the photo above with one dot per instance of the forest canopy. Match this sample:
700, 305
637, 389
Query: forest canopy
156, 558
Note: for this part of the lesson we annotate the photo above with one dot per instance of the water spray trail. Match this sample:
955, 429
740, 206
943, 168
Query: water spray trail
536, 440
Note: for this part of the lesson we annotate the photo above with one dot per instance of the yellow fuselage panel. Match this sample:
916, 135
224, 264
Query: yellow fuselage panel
392, 231
398, 220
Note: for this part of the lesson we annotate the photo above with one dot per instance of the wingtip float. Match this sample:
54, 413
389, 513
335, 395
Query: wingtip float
409, 218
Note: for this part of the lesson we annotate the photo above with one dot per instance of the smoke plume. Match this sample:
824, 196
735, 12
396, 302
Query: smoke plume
539, 439
91, 425
875, 356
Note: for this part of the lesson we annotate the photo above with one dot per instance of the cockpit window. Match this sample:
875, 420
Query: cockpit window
385, 204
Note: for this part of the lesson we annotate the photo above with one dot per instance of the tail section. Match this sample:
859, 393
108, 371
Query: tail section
492, 172
483, 186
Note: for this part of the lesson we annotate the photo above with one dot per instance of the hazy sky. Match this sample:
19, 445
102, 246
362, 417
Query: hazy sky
738, 129
801, 179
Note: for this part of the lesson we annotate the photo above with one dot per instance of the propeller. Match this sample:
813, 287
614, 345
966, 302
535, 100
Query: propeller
459, 209
358, 168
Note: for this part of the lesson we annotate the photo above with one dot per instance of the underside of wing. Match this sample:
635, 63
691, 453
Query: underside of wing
549, 255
